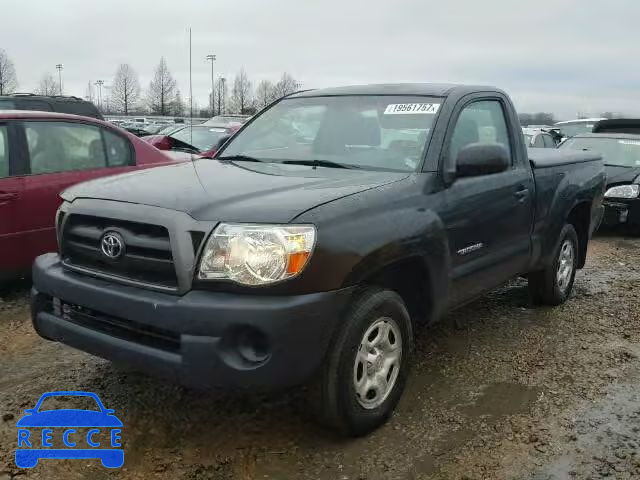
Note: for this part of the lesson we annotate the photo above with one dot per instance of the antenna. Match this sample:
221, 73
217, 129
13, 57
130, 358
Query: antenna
190, 94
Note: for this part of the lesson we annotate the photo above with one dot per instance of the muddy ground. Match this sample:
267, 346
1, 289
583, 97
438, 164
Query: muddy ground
514, 393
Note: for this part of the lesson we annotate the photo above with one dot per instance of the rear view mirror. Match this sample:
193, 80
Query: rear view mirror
482, 159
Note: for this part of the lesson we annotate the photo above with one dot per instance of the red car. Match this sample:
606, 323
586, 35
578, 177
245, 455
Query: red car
41, 154
200, 140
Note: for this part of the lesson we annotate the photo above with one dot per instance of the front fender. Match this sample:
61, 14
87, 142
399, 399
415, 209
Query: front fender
379, 240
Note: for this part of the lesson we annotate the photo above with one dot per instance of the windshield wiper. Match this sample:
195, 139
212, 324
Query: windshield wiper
615, 165
318, 163
245, 158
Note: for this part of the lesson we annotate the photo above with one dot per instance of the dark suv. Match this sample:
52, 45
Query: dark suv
56, 103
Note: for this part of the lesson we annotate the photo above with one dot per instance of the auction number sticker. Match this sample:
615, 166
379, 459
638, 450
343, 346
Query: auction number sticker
412, 108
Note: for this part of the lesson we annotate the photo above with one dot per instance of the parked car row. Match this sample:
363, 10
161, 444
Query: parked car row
538, 138
201, 140
618, 141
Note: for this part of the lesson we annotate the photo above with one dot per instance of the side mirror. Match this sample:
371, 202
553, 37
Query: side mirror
482, 159
161, 142
221, 141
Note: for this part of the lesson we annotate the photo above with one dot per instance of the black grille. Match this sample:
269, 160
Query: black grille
117, 327
147, 254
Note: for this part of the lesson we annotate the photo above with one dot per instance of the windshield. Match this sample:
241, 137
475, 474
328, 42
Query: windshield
369, 132
577, 128
202, 138
614, 151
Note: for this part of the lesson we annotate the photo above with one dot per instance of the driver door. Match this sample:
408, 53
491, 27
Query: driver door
488, 217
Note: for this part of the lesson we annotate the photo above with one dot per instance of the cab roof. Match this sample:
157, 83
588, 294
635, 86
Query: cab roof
421, 89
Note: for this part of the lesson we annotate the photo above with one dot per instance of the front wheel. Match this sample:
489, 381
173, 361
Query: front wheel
367, 364
553, 285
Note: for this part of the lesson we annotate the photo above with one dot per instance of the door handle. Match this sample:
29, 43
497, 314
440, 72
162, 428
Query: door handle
7, 197
521, 194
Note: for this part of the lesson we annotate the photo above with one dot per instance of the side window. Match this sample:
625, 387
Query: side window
7, 105
84, 109
548, 141
36, 105
64, 147
480, 122
118, 150
4, 152
538, 142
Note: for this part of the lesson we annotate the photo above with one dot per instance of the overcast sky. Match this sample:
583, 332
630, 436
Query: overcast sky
563, 56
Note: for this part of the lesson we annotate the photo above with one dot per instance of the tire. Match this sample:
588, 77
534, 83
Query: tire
382, 316
549, 286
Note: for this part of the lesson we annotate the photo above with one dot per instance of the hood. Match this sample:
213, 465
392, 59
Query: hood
212, 190
69, 418
619, 175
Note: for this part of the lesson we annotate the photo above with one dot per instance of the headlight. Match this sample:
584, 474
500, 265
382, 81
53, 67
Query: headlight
256, 254
623, 191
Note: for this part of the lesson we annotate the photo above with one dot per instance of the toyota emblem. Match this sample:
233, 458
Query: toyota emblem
112, 245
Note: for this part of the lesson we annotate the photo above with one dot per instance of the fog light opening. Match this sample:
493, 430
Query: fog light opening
253, 346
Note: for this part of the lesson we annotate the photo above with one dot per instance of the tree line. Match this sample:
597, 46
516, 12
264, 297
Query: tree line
163, 97
124, 94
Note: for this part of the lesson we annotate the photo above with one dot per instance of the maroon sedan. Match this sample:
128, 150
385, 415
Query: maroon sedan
41, 154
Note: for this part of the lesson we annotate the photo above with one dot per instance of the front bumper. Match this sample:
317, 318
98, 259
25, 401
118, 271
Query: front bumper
201, 339
621, 212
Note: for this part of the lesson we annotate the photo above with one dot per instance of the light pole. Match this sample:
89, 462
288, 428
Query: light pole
223, 82
212, 58
99, 83
59, 66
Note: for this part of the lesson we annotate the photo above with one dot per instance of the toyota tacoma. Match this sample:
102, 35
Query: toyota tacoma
316, 241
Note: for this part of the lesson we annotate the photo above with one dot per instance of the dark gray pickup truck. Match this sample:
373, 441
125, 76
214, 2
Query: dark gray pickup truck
310, 248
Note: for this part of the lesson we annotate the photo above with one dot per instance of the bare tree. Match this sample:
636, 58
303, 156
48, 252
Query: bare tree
48, 85
241, 98
125, 91
221, 96
264, 94
162, 90
89, 93
286, 85
8, 78
178, 105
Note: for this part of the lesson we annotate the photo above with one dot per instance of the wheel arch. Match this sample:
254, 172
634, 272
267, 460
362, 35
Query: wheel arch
417, 278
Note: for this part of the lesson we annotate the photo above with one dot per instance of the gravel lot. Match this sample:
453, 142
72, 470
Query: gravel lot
512, 393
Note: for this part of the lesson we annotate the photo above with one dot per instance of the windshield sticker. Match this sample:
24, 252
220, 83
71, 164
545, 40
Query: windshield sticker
412, 109
629, 142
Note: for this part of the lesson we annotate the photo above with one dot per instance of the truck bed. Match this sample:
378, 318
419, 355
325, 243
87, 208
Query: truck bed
551, 157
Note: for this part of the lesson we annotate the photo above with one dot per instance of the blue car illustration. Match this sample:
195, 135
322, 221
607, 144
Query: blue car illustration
67, 419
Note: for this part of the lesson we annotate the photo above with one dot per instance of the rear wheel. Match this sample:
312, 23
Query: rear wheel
553, 285
367, 364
